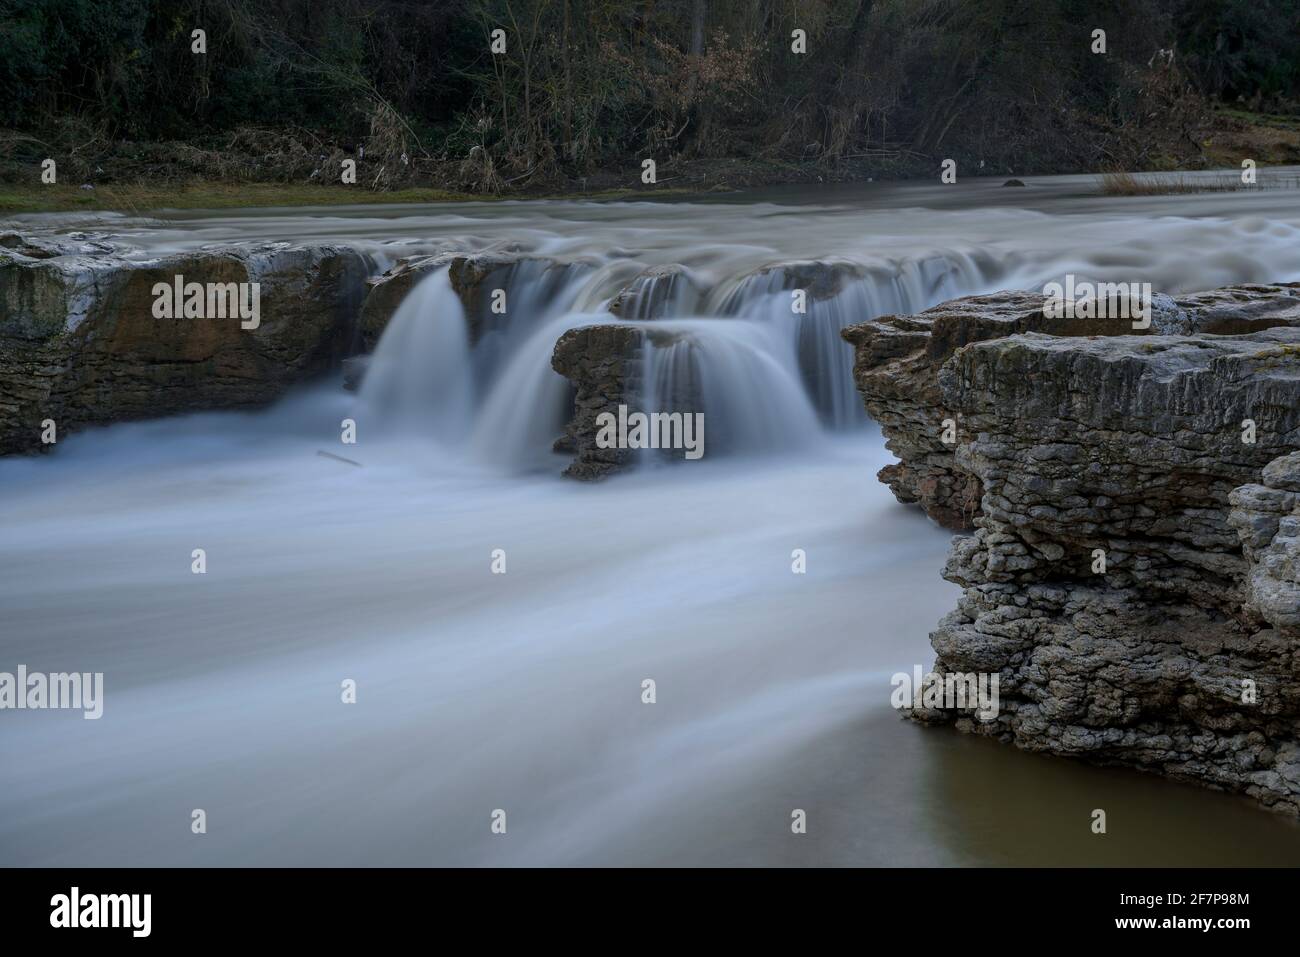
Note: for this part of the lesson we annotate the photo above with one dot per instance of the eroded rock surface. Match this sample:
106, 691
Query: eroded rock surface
1134, 575
604, 364
897, 361
80, 344
1266, 516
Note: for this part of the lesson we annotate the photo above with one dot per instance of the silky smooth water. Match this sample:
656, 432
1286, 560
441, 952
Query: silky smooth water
523, 691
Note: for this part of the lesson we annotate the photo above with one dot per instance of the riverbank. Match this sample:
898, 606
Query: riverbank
675, 180
190, 176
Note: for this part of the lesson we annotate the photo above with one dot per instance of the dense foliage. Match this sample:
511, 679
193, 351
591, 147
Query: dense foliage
588, 84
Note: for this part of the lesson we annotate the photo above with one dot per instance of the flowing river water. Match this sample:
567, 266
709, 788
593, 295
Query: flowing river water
523, 691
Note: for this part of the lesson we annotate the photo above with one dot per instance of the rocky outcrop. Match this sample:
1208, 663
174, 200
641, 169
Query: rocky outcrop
1134, 575
603, 363
80, 343
1266, 517
898, 358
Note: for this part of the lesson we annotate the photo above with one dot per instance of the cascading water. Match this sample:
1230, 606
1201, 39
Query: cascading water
660, 293
766, 375
790, 297
420, 379
528, 404
740, 374
532, 293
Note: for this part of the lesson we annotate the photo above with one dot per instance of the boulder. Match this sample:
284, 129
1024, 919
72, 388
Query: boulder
604, 364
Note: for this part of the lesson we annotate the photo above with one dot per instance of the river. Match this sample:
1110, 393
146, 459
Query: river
523, 691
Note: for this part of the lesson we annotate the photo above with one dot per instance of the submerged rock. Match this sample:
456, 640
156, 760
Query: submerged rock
660, 291
820, 279
354, 372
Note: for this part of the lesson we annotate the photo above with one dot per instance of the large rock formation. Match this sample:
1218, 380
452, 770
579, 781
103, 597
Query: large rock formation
897, 361
80, 343
1134, 576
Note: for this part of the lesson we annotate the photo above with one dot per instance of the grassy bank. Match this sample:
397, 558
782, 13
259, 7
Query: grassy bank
26, 198
1269, 139
143, 198
1228, 136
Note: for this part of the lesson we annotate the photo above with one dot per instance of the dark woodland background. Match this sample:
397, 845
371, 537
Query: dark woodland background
288, 88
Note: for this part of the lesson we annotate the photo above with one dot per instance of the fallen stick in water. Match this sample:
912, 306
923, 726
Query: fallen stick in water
337, 458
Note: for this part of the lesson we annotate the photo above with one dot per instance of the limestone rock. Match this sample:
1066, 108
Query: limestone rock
79, 342
1134, 575
603, 363
1267, 519
898, 358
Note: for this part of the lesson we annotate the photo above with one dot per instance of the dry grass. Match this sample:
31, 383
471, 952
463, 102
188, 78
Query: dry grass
1269, 139
1121, 183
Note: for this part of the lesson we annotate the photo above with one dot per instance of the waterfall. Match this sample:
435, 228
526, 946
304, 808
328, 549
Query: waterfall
740, 374
659, 293
837, 295
528, 404
766, 376
537, 291
420, 379
522, 690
